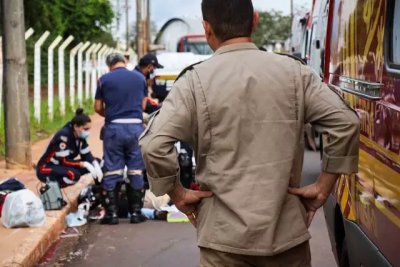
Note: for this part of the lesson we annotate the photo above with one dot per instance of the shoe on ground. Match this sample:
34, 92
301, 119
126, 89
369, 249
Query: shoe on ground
137, 218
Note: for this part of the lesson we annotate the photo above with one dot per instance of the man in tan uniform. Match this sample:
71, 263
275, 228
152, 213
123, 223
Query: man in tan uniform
243, 111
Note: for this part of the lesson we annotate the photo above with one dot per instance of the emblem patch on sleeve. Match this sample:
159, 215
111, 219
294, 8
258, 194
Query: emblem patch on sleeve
63, 146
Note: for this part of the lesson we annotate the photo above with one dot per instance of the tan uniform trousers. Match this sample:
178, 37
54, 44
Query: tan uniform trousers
299, 256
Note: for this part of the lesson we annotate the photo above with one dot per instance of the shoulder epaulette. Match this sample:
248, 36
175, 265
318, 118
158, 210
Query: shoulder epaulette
190, 67
293, 57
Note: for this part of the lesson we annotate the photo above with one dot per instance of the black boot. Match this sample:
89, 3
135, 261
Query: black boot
135, 200
110, 203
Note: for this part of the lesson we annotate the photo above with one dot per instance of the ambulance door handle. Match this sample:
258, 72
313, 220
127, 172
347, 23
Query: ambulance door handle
368, 90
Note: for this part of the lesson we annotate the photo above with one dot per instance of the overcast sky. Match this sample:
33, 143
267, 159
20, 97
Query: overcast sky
164, 10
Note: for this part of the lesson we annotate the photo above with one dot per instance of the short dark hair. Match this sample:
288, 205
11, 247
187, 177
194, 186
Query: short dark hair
80, 119
114, 58
229, 18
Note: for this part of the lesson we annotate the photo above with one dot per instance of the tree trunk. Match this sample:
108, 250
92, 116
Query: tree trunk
16, 101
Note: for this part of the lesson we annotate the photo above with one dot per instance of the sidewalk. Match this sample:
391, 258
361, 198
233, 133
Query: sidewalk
26, 246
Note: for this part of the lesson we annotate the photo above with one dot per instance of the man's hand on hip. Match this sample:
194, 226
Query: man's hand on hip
313, 196
187, 201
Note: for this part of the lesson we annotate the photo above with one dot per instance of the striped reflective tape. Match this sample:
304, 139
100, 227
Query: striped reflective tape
116, 172
85, 150
54, 161
63, 153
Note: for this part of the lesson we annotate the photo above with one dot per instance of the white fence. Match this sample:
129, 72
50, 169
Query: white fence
93, 66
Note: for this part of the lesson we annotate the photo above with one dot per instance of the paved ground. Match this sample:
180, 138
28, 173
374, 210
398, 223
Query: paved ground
148, 244
26, 246
154, 244
321, 250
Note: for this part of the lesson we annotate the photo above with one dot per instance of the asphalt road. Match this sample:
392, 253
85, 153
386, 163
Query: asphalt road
155, 243
321, 251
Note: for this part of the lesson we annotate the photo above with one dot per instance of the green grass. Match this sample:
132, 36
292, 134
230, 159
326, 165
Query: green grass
46, 127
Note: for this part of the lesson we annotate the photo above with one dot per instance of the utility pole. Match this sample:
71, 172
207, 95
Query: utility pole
142, 26
127, 24
291, 25
139, 29
118, 14
148, 26
291, 11
16, 108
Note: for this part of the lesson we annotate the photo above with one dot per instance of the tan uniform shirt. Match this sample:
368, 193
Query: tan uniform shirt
244, 110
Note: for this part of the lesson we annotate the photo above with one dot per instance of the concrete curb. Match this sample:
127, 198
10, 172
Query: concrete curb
26, 246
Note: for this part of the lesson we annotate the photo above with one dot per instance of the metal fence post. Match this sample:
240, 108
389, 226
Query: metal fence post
100, 60
50, 79
80, 72
94, 69
37, 76
108, 51
29, 33
72, 55
61, 73
88, 70
103, 65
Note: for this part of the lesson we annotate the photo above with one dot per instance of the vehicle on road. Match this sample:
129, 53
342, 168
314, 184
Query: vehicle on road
174, 63
184, 43
307, 43
362, 63
195, 43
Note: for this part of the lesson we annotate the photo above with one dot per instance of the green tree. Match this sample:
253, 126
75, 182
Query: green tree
87, 19
44, 15
273, 25
84, 19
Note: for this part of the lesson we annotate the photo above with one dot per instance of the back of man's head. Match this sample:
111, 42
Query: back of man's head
114, 58
229, 18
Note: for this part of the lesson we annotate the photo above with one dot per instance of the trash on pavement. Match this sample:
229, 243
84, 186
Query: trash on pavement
8, 186
23, 209
78, 218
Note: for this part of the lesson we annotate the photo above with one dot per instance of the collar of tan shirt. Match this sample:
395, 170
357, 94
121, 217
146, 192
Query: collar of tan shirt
235, 47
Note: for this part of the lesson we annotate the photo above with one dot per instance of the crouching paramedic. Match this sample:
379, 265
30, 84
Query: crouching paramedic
58, 163
120, 98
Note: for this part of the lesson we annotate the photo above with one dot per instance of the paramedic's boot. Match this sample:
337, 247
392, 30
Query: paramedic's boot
135, 202
111, 216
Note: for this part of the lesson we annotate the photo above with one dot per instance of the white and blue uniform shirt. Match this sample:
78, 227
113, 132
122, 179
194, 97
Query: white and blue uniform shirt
122, 92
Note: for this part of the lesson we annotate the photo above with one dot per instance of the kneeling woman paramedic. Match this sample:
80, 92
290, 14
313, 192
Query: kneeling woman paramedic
58, 162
